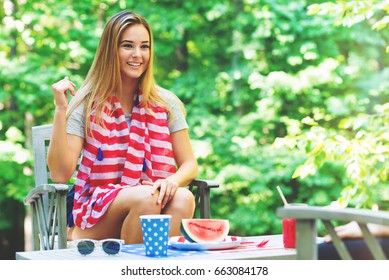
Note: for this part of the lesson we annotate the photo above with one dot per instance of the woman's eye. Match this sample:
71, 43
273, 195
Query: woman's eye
145, 46
127, 46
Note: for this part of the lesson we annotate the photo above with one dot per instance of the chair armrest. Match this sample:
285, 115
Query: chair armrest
306, 232
339, 214
203, 196
38, 191
204, 183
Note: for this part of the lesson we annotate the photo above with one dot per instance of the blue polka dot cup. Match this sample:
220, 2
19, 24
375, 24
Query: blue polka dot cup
155, 230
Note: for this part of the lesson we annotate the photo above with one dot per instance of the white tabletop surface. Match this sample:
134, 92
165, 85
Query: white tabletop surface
273, 250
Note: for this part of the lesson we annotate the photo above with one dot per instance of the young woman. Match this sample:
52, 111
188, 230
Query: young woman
132, 134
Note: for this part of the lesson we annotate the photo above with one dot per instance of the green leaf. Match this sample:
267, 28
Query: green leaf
314, 9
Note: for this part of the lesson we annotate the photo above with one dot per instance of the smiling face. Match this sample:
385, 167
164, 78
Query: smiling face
134, 52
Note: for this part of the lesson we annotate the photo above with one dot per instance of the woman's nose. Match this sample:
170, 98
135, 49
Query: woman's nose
136, 52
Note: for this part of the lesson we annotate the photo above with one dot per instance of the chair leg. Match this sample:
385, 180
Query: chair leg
203, 196
62, 232
35, 230
372, 243
205, 204
338, 242
306, 234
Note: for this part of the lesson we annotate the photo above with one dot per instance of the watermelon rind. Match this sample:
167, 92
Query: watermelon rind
204, 230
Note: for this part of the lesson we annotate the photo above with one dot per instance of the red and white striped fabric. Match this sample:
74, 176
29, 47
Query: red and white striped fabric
118, 157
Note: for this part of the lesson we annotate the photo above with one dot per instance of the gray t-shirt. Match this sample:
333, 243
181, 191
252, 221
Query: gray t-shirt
76, 122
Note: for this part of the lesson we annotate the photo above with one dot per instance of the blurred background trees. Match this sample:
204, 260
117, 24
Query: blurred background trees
289, 93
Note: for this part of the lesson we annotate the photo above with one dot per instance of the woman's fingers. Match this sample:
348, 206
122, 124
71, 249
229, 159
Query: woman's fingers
72, 86
61, 89
163, 192
63, 86
167, 189
171, 188
350, 230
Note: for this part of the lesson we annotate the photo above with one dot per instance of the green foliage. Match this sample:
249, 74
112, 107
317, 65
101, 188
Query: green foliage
16, 169
360, 144
249, 72
350, 13
357, 139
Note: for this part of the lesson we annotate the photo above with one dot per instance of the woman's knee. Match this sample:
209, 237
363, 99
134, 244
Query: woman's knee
185, 195
140, 199
183, 201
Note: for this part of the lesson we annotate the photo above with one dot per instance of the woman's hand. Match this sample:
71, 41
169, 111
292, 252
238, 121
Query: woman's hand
60, 90
167, 189
352, 230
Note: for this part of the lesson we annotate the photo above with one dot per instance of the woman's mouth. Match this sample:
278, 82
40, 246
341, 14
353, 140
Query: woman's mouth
134, 64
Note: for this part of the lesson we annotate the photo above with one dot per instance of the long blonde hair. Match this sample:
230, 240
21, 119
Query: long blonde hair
104, 79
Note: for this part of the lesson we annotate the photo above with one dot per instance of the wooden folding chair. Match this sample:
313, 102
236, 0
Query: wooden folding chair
306, 228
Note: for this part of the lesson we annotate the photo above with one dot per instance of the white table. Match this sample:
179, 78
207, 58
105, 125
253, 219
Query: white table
273, 250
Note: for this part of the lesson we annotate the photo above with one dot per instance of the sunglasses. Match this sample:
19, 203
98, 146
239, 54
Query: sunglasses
109, 246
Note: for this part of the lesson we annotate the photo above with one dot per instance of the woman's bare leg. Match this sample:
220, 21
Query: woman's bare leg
122, 217
180, 207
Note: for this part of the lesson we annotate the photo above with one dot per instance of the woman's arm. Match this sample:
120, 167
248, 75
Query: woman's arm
184, 157
64, 150
187, 168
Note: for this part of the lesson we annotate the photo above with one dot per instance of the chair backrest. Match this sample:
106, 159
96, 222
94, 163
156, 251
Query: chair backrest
306, 228
47, 200
40, 141
41, 136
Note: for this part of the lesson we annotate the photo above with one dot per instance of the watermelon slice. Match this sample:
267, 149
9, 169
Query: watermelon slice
204, 230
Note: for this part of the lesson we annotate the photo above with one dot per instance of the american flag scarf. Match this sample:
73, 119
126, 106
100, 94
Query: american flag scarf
118, 156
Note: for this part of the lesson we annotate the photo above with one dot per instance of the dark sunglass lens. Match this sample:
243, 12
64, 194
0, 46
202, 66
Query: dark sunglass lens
111, 247
85, 247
